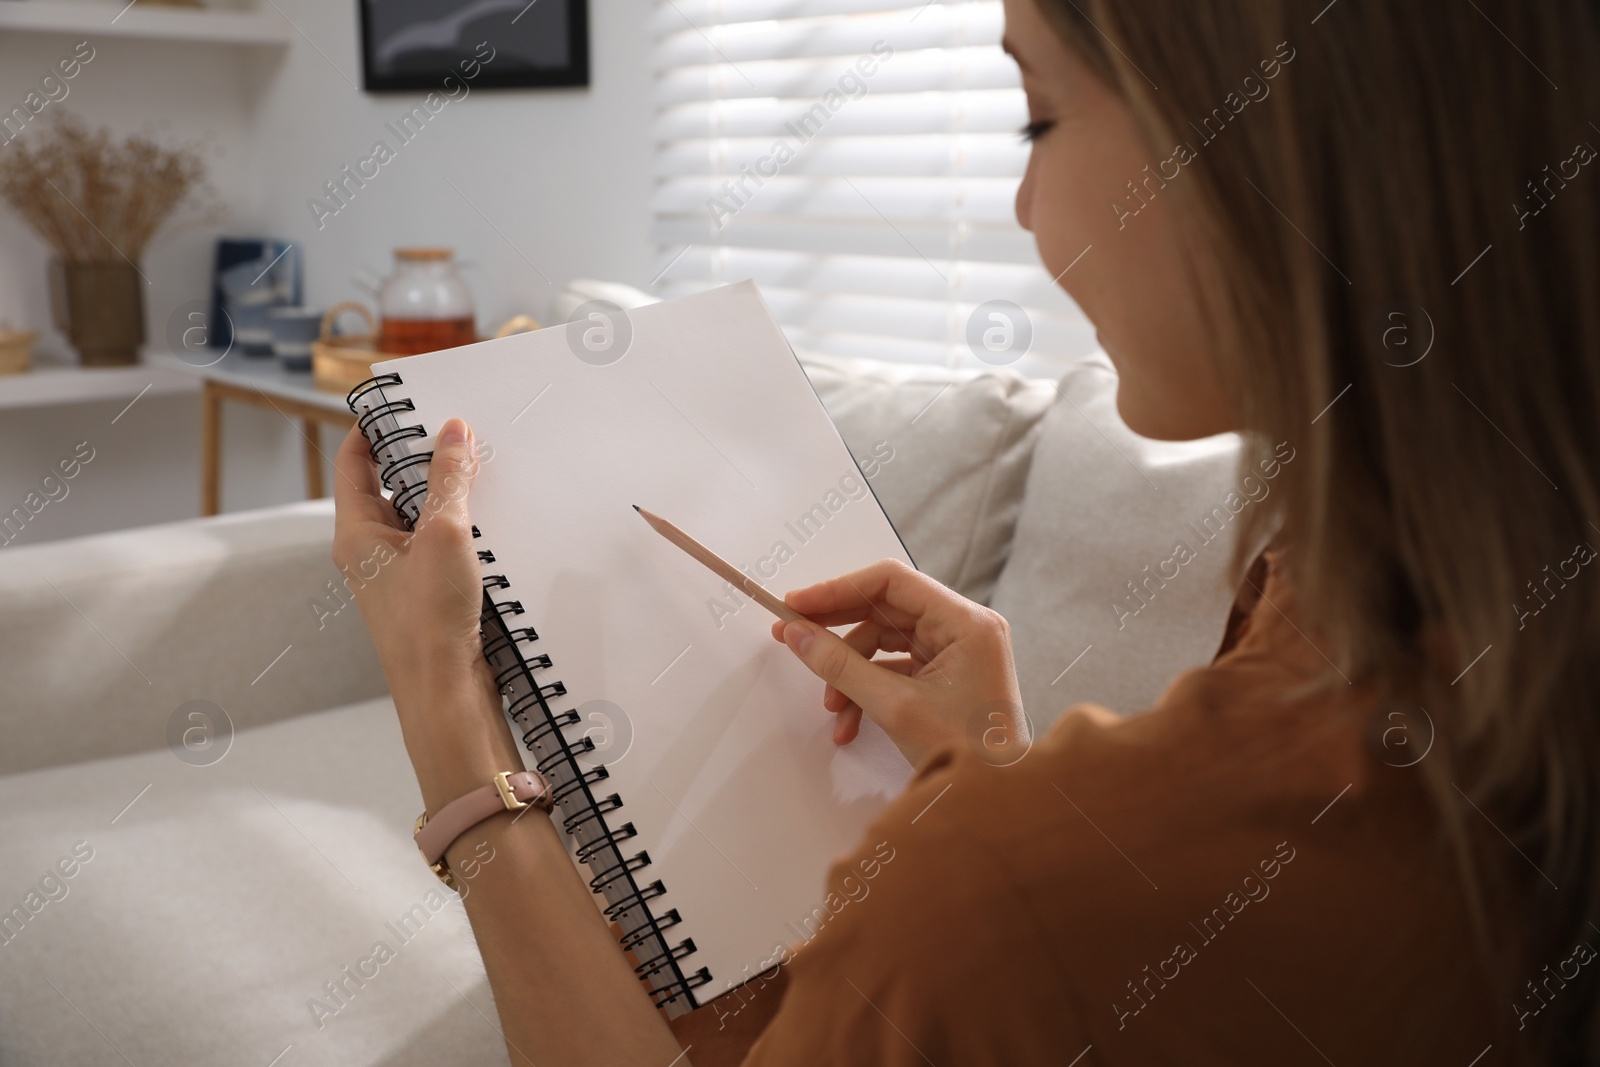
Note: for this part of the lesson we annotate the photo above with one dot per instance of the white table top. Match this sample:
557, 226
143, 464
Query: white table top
263, 373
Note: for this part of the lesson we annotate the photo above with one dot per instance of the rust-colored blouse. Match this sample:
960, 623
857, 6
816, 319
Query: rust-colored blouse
1235, 877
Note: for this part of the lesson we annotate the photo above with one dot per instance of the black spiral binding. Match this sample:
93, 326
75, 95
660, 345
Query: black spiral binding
617, 877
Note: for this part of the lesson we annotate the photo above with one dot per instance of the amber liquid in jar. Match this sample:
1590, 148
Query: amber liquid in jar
412, 337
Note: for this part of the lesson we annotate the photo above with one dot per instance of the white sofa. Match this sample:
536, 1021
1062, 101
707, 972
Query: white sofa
211, 902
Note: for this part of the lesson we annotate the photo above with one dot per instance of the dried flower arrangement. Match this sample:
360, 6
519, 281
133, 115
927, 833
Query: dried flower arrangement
92, 199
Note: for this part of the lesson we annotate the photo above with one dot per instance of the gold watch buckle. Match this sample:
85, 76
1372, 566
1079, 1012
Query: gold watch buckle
502, 785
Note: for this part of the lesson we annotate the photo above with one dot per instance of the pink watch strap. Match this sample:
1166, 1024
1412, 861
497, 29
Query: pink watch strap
509, 791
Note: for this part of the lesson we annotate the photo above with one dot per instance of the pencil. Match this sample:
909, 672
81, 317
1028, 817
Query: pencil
720, 567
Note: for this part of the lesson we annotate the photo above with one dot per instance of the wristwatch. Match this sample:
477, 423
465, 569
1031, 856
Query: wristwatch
506, 791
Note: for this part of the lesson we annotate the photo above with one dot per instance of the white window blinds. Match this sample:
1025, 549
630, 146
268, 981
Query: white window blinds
859, 159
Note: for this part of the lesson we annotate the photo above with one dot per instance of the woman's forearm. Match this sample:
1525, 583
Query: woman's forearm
564, 989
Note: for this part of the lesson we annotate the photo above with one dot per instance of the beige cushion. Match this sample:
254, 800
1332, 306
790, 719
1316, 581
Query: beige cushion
105, 636
1101, 504
947, 453
219, 903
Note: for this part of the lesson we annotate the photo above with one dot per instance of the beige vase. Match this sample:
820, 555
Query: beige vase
100, 307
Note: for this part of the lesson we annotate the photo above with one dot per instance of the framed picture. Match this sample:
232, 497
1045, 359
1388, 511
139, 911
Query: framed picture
410, 45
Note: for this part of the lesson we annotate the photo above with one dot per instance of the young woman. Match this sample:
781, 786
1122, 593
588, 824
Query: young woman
1366, 833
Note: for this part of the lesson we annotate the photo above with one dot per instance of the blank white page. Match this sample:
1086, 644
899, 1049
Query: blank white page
731, 777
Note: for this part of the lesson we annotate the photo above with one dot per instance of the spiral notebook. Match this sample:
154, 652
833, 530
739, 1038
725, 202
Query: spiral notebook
690, 756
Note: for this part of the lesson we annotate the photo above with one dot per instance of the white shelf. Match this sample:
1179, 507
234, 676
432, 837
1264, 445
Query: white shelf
48, 385
112, 18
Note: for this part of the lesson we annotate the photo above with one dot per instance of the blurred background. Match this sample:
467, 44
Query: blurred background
857, 158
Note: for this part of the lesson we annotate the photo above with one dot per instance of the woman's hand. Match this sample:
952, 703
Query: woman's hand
564, 991
955, 684
420, 592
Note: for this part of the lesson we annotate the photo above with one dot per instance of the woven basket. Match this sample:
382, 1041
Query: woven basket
16, 350
340, 362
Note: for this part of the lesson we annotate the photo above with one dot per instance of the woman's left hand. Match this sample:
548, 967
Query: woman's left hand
420, 592
565, 992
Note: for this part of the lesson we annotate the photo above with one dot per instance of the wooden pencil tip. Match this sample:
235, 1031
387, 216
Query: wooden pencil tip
636, 507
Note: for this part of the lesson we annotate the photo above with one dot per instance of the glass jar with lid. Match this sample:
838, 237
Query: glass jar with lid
424, 304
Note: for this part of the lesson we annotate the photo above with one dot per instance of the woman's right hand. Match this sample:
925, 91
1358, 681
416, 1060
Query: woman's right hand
955, 683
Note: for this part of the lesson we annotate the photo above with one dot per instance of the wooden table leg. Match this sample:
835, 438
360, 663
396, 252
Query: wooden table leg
314, 490
210, 450
311, 417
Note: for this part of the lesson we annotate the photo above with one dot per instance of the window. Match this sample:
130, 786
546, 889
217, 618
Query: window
859, 159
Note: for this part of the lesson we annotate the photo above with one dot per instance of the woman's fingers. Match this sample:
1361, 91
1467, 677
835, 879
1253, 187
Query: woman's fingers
847, 726
894, 595
897, 609
450, 475
355, 485
870, 637
889, 586
831, 658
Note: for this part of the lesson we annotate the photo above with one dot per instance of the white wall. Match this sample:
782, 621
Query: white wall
564, 175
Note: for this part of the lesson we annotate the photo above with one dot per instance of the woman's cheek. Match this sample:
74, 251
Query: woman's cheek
1067, 211
1043, 207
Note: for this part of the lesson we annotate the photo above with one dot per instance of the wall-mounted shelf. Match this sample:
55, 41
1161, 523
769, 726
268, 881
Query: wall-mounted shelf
113, 19
51, 384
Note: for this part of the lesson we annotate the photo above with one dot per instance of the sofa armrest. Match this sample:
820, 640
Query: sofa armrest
106, 636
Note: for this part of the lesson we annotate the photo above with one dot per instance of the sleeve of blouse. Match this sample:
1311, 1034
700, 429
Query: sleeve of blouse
920, 951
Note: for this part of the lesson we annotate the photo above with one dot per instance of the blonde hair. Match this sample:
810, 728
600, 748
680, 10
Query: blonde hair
1412, 170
